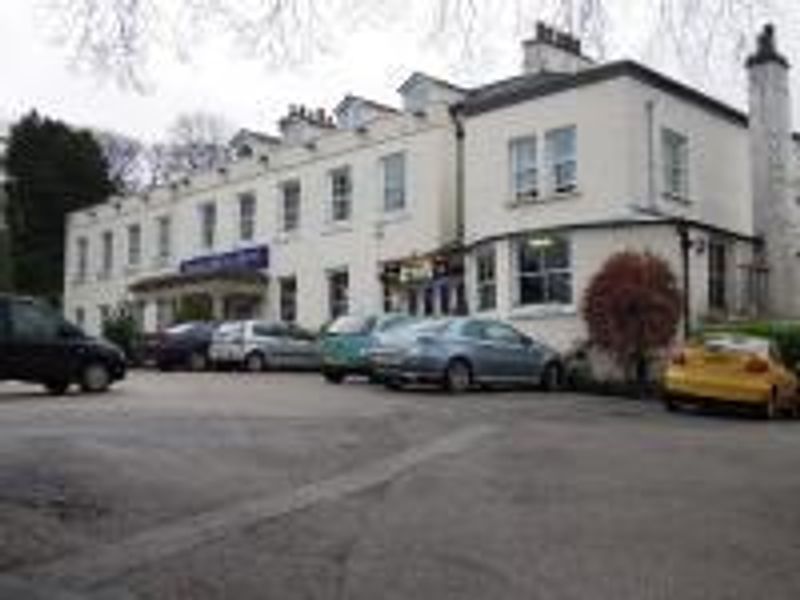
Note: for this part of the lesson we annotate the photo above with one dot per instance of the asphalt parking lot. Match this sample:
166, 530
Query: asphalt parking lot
182, 486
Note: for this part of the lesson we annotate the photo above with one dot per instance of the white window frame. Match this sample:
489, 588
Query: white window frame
562, 162
524, 174
82, 259
395, 194
208, 226
248, 211
164, 233
107, 264
290, 217
340, 306
134, 245
675, 162
485, 281
542, 245
341, 198
287, 304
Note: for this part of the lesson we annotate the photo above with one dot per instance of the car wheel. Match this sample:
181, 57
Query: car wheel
457, 376
333, 376
57, 388
255, 363
95, 378
552, 379
198, 361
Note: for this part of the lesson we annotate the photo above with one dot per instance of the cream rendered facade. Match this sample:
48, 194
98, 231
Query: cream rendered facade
618, 201
611, 157
319, 246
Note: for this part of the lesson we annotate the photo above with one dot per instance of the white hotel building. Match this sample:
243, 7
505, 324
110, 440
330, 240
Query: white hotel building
500, 200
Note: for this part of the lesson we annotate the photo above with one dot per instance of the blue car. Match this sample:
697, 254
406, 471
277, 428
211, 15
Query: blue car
346, 343
459, 353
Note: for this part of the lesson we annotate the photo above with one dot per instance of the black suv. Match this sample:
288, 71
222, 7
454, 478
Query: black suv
38, 346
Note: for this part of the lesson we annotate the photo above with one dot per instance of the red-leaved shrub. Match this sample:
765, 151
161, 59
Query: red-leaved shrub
632, 307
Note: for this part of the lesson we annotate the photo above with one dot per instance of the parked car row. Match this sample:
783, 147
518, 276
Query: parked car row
455, 353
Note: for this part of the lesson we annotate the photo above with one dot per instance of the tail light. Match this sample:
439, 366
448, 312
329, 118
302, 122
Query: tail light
756, 365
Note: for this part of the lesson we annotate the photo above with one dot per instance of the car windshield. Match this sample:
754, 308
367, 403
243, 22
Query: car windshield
180, 329
349, 325
229, 330
390, 322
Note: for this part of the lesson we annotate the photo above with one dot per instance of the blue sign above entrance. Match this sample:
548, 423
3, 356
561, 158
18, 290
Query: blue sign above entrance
247, 259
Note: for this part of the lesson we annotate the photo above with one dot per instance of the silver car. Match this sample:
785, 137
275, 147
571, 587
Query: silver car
261, 345
458, 353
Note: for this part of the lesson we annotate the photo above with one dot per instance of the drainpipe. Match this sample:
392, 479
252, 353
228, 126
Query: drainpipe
650, 106
458, 122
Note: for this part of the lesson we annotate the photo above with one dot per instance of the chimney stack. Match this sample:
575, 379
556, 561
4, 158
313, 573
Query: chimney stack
774, 213
553, 51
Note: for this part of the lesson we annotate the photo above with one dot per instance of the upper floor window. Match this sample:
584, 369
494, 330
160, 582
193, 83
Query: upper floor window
486, 278
394, 182
524, 171
543, 271
290, 209
164, 230
108, 254
675, 151
247, 216
134, 245
562, 159
208, 224
341, 194
83, 258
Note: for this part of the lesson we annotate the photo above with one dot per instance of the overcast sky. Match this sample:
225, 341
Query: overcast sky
34, 73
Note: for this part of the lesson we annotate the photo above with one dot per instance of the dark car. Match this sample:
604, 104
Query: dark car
458, 353
184, 346
347, 341
38, 346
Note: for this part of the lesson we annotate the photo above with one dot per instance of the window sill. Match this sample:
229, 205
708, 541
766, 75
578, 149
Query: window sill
336, 227
287, 237
677, 199
545, 311
395, 216
552, 197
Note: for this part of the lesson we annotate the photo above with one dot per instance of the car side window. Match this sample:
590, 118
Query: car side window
500, 332
269, 330
298, 333
32, 323
474, 330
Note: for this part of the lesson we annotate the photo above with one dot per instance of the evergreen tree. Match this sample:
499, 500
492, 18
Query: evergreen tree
53, 169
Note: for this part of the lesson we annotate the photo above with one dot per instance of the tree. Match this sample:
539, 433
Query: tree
198, 141
127, 160
632, 307
53, 169
120, 38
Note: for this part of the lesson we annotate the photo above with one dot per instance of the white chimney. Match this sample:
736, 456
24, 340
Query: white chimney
774, 213
553, 51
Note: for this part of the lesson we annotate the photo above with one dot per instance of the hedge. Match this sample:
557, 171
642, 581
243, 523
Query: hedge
785, 334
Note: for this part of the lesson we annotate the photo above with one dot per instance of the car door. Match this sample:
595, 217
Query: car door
35, 351
511, 354
270, 339
304, 348
5, 339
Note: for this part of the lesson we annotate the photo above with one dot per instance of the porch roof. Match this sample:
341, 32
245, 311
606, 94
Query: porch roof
178, 280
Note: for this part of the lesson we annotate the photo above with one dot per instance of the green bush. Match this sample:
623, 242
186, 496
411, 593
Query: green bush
121, 329
785, 334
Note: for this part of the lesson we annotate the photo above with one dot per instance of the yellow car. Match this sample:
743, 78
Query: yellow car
734, 369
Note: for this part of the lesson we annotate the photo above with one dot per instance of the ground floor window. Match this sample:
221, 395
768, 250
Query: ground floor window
486, 278
288, 299
717, 275
163, 314
542, 269
428, 305
80, 317
413, 305
338, 292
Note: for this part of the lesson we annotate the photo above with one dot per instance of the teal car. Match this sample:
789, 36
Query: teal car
347, 341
